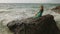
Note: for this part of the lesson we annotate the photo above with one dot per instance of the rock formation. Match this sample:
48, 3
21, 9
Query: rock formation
43, 25
56, 9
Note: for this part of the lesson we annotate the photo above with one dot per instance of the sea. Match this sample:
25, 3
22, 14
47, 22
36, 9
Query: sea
14, 11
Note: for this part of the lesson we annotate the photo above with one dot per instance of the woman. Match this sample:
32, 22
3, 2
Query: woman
39, 14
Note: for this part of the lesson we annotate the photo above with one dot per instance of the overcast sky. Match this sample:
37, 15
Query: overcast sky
29, 1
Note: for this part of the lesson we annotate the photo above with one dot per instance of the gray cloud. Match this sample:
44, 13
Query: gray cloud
53, 1
29, 1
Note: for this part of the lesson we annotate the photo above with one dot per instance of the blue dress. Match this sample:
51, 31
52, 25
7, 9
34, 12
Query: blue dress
39, 14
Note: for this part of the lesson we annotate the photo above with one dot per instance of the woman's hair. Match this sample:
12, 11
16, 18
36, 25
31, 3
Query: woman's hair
41, 7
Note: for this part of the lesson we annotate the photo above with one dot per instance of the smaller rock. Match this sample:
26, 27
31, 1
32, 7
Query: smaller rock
56, 9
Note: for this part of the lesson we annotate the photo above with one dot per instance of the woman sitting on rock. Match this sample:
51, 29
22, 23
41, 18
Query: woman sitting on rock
39, 14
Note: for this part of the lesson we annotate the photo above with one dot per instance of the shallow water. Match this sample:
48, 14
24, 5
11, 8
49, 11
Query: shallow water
9, 12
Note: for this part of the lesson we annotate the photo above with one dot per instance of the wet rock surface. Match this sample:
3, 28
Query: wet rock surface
43, 25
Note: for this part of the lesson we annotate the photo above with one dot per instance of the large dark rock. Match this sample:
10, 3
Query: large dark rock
43, 25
